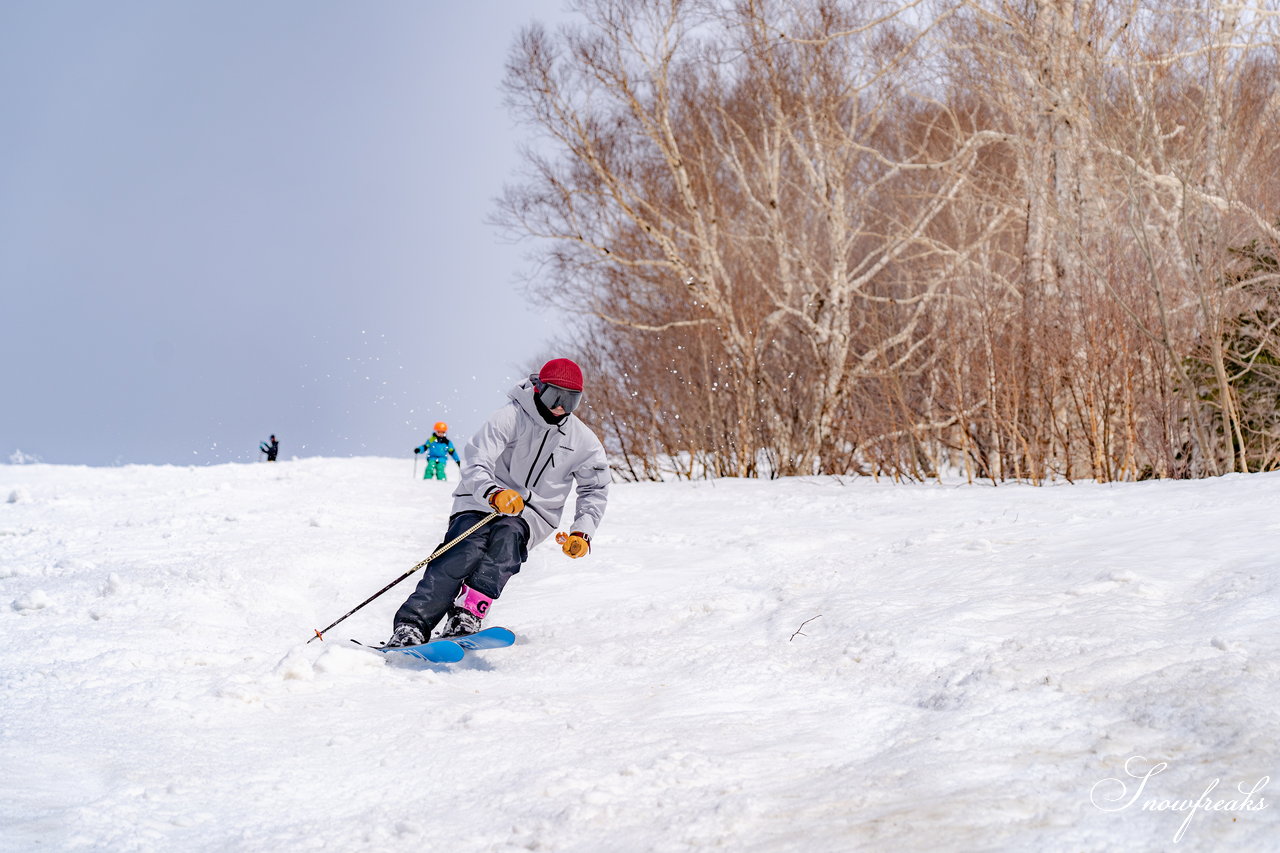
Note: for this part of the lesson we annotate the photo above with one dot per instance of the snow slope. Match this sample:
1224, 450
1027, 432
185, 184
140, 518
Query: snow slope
808, 665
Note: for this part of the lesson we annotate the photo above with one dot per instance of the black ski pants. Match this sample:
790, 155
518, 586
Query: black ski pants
484, 561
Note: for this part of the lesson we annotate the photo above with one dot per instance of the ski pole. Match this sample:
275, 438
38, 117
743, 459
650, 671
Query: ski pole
415, 466
481, 523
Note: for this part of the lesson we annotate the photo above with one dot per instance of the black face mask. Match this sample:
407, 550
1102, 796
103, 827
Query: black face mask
553, 395
554, 420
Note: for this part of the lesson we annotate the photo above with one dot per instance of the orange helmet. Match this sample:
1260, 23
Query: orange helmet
442, 427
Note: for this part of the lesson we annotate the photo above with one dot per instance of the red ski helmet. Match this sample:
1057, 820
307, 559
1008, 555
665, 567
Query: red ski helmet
442, 427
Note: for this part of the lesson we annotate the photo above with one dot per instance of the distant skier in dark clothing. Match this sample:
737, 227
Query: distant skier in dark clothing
270, 448
438, 449
522, 464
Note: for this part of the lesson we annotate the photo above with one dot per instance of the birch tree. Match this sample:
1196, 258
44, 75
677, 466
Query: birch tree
740, 172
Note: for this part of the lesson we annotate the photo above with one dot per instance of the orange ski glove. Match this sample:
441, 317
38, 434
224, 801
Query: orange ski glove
576, 544
507, 501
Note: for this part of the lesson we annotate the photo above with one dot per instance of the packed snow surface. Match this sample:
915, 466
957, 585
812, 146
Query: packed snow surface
813, 664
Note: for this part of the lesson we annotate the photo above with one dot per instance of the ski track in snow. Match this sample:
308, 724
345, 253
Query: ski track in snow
813, 664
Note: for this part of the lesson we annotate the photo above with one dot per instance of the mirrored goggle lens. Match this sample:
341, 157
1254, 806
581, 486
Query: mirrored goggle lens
554, 395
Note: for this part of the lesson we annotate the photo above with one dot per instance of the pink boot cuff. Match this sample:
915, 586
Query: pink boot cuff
475, 602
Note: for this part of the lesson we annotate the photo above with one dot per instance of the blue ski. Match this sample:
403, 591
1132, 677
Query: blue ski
489, 638
451, 650
435, 651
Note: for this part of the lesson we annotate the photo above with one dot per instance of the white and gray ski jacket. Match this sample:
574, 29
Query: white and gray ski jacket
517, 449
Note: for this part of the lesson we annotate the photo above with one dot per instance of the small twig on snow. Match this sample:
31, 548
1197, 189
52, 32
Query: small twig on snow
800, 631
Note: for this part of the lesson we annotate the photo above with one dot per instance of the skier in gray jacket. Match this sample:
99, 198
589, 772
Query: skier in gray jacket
521, 463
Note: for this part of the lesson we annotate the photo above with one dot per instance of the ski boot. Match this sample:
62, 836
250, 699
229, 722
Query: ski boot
405, 635
466, 614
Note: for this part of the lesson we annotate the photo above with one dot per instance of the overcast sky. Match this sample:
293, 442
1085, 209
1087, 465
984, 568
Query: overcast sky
221, 220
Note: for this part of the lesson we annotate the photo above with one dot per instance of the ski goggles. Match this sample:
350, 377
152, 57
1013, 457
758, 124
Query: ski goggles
554, 395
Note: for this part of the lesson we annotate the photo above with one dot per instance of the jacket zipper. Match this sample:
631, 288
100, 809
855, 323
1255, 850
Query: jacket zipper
545, 436
550, 460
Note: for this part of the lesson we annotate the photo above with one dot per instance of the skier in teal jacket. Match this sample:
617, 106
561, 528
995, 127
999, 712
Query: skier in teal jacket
438, 449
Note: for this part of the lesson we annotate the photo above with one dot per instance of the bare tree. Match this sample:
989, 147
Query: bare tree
816, 236
1129, 138
739, 172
